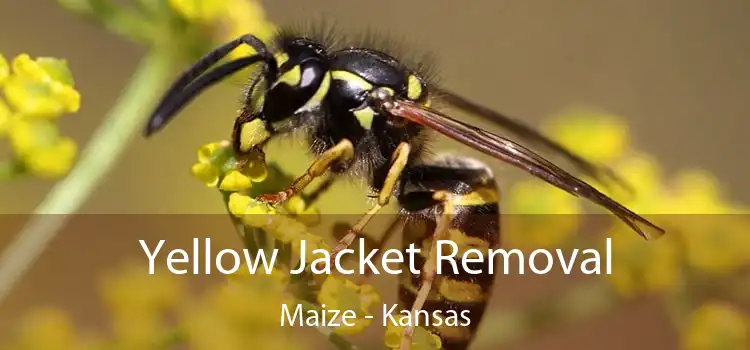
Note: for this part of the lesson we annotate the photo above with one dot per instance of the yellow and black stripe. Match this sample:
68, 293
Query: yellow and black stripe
475, 224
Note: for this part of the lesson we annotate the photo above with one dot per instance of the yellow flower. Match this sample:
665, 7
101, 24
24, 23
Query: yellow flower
206, 173
215, 161
53, 161
338, 293
133, 291
235, 181
138, 302
696, 192
4, 69
41, 88
199, 10
209, 150
47, 329
597, 136
422, 339
640, 266
642, 172
41, 148
245, 311
244, 17
6, 117
252, 212
717, 325
542, 215
282, 227
714, 239
297, 207
211, 158
717, 244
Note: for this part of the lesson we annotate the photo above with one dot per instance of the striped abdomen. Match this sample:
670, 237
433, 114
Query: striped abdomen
475, 224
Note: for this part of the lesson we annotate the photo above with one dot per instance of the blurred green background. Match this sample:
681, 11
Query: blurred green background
675, 70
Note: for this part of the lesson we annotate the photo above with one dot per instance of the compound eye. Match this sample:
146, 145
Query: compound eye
416, 90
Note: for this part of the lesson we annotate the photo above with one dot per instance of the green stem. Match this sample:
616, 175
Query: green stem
96, 161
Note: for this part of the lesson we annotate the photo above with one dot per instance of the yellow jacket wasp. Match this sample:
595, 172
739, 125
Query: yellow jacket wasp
367, 114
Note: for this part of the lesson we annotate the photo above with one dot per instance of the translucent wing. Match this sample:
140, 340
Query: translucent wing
519, 156
529, 134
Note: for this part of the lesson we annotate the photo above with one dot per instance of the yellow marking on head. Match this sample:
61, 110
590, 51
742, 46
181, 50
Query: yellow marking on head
252, 134
291, 77
351, 78
365, 117
281, 58
414, 88
460, 291
320, 94
481, 196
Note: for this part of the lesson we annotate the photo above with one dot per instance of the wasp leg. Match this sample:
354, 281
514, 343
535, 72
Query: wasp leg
429, 269
342, 151
400, 158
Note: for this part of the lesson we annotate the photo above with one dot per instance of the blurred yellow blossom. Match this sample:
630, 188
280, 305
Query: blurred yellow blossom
541, 215
137, 302
717, 244
695, 192
244, 17
244, 311
597, 136
4, 69
643, 174
38, 143
41, 88
37, 91
338, 293
6, 116
422, 339
199, 10
640, 266
232, 18
131, 288
691, 207
46, 329
298, 207
717, 325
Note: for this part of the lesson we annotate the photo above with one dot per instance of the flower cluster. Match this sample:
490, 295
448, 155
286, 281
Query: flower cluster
143, 307
706, 234
717, 325
233, 18
37, 92
238, 180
